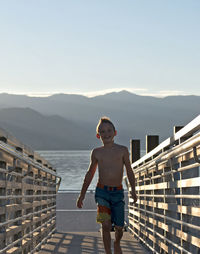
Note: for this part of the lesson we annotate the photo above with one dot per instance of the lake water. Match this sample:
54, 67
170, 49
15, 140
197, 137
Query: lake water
71, 166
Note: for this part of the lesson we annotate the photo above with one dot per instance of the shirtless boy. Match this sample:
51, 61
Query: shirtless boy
109, 195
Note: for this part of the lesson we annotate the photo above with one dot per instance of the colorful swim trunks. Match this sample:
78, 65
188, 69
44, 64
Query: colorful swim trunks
110, 204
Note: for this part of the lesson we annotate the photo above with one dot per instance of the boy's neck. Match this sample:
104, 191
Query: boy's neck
109, 145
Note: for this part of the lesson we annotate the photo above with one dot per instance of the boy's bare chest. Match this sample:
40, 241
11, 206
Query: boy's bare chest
110, 157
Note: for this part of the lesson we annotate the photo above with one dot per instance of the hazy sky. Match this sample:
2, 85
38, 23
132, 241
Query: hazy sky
86, 46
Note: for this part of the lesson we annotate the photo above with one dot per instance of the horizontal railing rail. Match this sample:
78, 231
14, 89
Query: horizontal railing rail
24, 157
28, 189
166, 217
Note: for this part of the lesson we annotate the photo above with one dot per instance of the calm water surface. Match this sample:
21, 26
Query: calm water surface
71, 166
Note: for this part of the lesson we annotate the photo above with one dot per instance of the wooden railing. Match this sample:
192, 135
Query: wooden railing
166, 217
28, 187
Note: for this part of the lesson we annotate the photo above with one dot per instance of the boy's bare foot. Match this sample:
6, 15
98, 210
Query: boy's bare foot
117, 248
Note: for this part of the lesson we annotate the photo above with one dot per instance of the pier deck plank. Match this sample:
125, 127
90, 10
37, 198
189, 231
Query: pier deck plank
87, 243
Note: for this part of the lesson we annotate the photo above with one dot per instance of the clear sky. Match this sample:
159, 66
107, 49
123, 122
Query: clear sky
148, 47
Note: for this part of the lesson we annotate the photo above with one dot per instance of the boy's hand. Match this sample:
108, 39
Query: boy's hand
79, 202
134, 196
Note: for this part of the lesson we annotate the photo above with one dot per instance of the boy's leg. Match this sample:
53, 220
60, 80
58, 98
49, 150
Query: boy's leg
118, 237
106, 228
117, 209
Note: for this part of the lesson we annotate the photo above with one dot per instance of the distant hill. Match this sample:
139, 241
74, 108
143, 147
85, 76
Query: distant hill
65, 121
44, 132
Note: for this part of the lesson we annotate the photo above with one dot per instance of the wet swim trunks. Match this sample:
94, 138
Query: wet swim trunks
110, 204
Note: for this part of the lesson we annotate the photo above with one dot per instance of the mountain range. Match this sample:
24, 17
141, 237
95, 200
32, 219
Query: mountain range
67, 121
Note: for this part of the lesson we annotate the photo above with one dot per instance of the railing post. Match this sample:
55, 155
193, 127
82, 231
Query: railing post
135, 149
151, 142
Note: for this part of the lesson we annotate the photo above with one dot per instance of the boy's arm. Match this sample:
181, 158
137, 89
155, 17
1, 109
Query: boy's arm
87, 180
130, 174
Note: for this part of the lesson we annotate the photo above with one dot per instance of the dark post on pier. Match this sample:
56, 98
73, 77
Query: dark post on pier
151, 142
135, 149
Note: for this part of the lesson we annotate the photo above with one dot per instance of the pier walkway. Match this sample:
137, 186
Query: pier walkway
87, 243
77, 231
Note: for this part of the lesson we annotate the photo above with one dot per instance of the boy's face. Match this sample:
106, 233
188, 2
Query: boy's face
106, 133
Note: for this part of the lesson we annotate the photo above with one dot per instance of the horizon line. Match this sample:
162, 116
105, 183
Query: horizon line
144, 92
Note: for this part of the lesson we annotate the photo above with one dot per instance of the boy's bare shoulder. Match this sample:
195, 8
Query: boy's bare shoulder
97, 149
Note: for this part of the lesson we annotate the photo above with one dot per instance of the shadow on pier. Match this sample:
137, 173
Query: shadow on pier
86, 243
77, 231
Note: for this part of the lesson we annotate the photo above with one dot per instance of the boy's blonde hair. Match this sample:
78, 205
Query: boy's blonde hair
104, 119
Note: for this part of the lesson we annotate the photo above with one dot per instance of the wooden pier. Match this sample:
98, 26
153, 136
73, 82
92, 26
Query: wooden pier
165, 219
